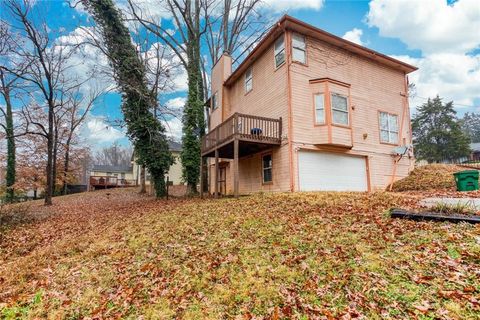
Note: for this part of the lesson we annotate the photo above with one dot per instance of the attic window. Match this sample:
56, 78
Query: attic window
279, 52
248, 80
299, 52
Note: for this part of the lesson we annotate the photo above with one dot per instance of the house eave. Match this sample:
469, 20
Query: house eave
289, 23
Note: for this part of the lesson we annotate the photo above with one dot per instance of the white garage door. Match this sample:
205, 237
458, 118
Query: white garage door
331, 172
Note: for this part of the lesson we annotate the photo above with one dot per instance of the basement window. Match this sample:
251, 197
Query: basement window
299, 50
339, 109
388, 128
267, 168
279, 52
248, 80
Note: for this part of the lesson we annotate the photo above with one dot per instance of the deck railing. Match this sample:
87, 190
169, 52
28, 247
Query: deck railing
245, 127
110, 181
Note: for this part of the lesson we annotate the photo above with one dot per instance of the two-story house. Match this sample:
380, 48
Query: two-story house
307, 110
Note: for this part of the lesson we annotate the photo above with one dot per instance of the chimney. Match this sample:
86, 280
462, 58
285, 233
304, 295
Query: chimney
220, 72
223, 67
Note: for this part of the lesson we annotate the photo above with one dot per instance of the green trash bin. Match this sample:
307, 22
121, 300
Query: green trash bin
466, 180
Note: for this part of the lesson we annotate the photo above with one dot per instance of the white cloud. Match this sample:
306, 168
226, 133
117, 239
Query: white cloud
354, 35
98, 132
155, 9
285, 5
450, 75
174, 128
430, 26
445, 35
160, 59
87, 61
176, 103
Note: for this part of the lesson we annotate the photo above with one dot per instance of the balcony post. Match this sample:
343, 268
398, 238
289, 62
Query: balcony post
235, 124
280, 129
236, 182
216, 174
201, 176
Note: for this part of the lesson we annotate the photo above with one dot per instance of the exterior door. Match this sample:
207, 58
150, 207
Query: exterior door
326, 171
222, 180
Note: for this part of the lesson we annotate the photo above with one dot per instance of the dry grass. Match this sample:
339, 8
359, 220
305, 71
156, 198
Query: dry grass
429, 177
275, 256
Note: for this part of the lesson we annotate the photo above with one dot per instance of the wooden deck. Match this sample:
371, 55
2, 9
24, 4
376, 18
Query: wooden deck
238, 136
105, 182
254, 133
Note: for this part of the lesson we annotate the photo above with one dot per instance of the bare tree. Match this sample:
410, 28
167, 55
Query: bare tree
45, 74
115, 155
233, 26
77, 109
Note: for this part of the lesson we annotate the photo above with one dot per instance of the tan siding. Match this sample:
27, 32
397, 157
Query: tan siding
373, 87
268, 98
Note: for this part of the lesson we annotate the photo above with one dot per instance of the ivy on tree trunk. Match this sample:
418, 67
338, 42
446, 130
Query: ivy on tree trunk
145, 131
193, 116
10, 176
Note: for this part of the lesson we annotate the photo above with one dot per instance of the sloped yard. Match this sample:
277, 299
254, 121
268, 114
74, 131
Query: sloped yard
313, 255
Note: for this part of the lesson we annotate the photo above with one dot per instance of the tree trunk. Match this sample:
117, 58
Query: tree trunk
10, 176
54, 166
66, 164
49, 169
142, 180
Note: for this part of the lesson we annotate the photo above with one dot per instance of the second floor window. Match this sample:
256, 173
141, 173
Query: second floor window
299, 51
339, 109
214, 100
388, 128
320, 108
248, 80
279, 52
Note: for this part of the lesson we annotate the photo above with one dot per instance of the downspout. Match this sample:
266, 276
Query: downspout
400, 133
290, 112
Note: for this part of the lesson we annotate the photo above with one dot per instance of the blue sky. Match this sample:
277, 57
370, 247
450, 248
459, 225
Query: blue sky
440, 37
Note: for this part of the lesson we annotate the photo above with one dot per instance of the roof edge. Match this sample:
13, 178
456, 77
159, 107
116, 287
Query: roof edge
286, 22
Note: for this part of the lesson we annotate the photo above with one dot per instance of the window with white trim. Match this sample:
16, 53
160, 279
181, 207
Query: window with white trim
248, 80
388, 127
320, 108
214, 101
279, 51
339, 109
267, 168
299, 49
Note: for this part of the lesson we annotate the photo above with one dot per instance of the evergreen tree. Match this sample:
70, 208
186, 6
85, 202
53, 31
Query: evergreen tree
143, 128
437, 134
471, 126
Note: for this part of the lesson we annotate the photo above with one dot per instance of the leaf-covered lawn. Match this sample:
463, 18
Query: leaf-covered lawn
279, 256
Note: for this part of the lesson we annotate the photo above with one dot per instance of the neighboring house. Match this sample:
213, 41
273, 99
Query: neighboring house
475, 155
307, 110
120, 172
175, 172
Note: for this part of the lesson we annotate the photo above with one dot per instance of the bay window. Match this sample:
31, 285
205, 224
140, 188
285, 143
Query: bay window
320, 108
339, 109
